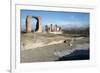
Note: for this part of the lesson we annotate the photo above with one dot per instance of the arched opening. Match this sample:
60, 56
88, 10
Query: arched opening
33, 24
36, 23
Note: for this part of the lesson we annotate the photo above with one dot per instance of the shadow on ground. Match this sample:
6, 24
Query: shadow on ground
76, 55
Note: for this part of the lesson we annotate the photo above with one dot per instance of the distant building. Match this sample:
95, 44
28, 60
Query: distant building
53, 29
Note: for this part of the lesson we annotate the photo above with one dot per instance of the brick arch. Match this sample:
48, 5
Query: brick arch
38, 24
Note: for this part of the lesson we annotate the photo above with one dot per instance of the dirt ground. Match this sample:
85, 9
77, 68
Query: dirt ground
41, 47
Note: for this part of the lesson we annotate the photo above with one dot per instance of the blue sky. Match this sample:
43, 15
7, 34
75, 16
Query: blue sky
63, 19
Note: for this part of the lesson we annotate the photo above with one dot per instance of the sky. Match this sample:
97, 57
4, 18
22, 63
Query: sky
63, 19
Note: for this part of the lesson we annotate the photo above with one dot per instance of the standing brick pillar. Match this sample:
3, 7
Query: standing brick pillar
28, 23
51, 28
39, 24
55, 30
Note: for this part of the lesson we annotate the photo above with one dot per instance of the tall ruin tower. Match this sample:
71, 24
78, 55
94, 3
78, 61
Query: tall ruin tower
28, 23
